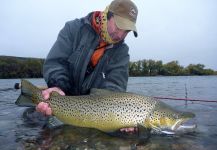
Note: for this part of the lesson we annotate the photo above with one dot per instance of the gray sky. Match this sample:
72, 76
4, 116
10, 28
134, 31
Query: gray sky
183, 30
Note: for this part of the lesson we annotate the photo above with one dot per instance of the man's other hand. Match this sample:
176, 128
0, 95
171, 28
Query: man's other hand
129, 130
44, 107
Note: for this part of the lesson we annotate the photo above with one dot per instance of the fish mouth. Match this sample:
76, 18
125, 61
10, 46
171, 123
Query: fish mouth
181, 127
187, 122
186, 126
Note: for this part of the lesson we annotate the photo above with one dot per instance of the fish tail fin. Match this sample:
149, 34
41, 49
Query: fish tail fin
29, 94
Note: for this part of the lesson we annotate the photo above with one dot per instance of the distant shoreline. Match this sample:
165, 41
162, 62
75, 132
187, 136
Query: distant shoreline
12, 67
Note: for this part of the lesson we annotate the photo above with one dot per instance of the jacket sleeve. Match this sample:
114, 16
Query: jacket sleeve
117, 72
55, 69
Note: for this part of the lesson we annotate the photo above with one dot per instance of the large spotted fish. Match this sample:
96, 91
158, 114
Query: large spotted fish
109, 111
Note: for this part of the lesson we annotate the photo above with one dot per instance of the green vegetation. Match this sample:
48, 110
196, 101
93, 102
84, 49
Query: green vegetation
154, 68
18, 67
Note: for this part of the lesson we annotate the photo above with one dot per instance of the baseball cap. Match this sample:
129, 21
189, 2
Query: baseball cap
125, 14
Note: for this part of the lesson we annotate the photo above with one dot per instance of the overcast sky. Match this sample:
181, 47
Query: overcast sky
183, 30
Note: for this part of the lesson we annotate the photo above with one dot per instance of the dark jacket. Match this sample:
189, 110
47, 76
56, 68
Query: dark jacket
67, 61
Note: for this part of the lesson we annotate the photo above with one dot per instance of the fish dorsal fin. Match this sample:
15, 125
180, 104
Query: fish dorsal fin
95, 91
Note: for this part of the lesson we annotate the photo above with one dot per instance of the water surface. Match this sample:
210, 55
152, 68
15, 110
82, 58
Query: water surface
20, 132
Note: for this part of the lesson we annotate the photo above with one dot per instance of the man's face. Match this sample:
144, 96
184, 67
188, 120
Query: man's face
115, 33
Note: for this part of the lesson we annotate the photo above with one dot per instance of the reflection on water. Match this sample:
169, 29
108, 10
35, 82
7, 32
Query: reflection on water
19, 131
68, 137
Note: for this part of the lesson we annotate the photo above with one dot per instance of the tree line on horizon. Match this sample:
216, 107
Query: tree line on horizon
19, 67
157, 68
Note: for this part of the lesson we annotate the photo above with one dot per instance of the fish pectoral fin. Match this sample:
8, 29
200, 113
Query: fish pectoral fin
143, 129
155, 127
53, 122
143, 132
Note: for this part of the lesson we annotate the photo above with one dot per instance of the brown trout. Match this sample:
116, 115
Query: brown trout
109, 111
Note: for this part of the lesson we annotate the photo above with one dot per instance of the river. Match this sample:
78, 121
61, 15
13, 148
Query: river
19, 132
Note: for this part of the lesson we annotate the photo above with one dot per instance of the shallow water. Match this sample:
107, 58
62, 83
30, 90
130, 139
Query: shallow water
20, 132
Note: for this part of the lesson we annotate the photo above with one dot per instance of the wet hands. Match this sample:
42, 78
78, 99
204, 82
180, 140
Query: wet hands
44, 107
131, 130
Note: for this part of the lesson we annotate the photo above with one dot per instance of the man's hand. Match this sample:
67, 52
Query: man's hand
43, 107
46, 93
130, 130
